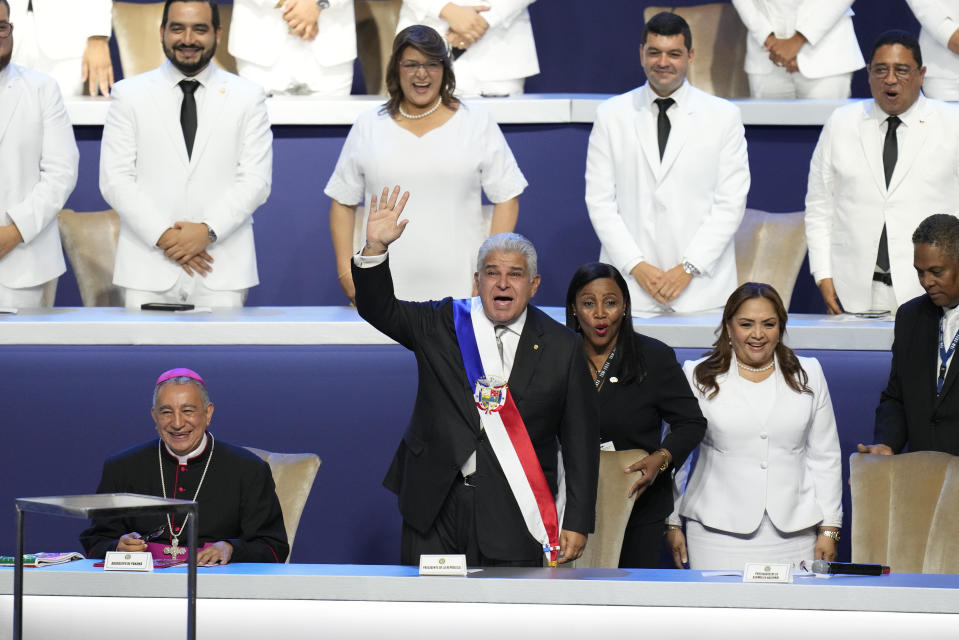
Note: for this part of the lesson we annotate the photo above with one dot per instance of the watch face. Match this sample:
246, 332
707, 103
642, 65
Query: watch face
323, 4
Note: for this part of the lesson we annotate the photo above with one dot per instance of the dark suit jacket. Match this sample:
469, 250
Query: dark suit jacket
909, 410
552, 390
632, 415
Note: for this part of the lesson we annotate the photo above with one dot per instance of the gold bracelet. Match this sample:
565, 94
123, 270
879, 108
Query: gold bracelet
829, 533
673, 527
665, 464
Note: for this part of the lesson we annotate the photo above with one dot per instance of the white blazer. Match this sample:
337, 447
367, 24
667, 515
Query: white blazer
63, 26
939, 20
686, 207
847, 201
787, 463
146, 176
257, 32
39, 160
831, 46
506, 51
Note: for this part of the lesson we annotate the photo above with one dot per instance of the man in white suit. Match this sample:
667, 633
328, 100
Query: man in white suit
39, 159
492, 41
799, 48
186, 159
666, 180
67, 39
880, 167
939, 39
298, 46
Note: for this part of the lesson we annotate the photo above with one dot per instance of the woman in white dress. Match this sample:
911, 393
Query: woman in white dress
447, 154
767, 486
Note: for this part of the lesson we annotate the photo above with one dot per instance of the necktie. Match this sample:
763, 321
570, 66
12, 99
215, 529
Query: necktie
188, 113
29, 5
662, 123
500, 329
890, 153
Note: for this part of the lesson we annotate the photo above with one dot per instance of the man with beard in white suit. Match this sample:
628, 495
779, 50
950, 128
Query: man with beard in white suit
186, 159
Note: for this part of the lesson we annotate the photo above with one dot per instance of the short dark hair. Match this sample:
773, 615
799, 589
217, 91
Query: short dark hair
898, 36
627, 347
939, 230
7, 5
214, 9
667, 23
432, 45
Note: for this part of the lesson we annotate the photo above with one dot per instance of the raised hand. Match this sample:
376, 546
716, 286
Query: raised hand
384, 226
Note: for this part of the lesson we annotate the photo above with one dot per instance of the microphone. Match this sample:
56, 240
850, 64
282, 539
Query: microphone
851, 568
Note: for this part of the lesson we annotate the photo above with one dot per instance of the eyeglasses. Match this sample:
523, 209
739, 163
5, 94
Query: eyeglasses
881, 71
410, 67
5, 29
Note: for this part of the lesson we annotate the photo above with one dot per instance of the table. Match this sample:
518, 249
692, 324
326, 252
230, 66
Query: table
106, 505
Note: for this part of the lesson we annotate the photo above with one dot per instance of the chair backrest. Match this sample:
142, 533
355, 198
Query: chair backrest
136, 27
905, 511
49, 292
612, 508
770, 248
90, 242
293, 475
375, 28
719, 42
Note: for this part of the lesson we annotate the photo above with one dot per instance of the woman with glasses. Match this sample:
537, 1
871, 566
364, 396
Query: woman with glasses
447, 154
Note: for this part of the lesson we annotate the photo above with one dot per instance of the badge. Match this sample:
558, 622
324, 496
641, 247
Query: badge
490, 394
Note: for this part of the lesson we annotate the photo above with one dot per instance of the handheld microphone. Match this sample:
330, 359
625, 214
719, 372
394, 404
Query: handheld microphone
851, 568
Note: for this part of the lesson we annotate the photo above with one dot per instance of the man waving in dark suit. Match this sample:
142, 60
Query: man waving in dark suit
920, 405
501, 388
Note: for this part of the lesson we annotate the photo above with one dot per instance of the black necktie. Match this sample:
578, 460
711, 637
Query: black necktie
188, 113
29, 5
662, 123
890, 153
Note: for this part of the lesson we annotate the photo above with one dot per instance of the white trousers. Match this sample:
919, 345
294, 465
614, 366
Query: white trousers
25, 298
297, 66
68, 72
782, 85
187, 289
715, 550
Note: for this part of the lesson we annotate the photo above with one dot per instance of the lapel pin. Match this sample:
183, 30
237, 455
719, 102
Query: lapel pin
535, 347
614, 379
222, 90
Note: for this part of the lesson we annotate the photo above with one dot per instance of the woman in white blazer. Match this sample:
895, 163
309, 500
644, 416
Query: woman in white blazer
767, 486
799, 48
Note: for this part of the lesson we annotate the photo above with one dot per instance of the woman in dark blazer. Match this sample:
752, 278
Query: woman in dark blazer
640, 385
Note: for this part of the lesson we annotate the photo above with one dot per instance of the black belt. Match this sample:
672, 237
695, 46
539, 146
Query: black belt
885, 278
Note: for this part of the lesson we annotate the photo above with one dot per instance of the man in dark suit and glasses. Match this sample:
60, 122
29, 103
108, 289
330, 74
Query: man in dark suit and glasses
920, 405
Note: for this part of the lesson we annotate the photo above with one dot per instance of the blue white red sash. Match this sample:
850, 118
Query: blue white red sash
509, 439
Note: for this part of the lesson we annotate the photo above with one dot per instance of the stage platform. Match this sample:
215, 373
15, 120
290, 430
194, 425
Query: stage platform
366, 601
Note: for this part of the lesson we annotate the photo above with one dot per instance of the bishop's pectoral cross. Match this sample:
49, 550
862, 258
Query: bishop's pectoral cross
175, 550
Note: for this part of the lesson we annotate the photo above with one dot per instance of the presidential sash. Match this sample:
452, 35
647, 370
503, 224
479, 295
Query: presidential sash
509, 439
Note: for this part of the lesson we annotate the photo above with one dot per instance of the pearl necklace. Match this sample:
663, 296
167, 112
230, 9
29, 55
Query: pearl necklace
756, 369
410, 116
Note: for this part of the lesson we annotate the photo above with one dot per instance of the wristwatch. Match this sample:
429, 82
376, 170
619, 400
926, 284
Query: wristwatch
211, 234
829, 533
322, 4
690, 268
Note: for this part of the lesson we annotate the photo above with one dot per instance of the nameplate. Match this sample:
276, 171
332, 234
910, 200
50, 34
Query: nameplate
761, 572
607, 446
439, 565
128, 561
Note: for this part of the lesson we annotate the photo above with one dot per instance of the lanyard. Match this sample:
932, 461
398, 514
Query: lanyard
601, 373
944, 355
